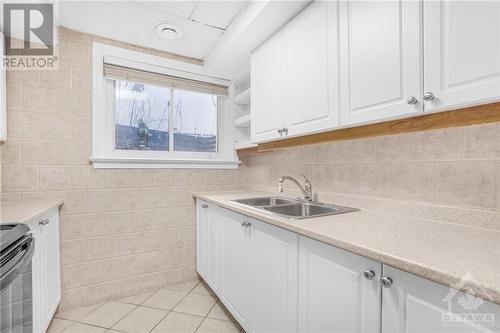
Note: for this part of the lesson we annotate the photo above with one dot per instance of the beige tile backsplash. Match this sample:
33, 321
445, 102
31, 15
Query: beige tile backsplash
450, 167
122, 231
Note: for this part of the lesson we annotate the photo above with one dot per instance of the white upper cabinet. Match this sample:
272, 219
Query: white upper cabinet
414, 304
295, 86
312, 84
380, 60
347, 63
267, 94
273, 278
462, 53
334, 294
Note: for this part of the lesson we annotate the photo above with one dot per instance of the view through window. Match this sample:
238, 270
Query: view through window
145, 113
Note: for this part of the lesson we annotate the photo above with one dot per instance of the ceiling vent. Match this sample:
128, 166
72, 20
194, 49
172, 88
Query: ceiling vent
168, 31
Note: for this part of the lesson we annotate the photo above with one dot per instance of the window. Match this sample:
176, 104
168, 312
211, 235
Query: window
142, 116
194, 121
143, 113
146, 115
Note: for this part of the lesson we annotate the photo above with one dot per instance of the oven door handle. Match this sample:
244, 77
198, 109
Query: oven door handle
18, 258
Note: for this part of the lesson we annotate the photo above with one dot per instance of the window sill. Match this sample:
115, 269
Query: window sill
151, 163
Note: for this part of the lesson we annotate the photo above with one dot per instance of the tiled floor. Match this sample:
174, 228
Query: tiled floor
190, 307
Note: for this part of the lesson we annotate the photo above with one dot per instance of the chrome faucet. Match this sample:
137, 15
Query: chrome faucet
306, 190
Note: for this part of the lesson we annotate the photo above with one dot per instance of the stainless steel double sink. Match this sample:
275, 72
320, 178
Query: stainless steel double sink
294, 209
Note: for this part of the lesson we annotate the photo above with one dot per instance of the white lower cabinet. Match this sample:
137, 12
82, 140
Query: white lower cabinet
257, 269
207, 234
415, 304
234, 265
334, 294
273, 280
45, 269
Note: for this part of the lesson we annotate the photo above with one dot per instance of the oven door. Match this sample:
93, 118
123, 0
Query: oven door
16, 297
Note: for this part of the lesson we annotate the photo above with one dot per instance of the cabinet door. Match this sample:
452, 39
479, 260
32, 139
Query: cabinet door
37, 285
312, 94
268, 90
334, 296
380, 60
50, 255
273, 278
414, 304
234, 265
207, 224
462, 52
202, 238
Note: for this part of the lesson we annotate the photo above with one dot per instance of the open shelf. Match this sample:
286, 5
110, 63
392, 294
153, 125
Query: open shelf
243, 121
243, 97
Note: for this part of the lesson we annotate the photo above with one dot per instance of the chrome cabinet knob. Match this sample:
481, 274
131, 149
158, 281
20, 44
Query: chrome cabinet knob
249, 224
412, 100
204, 206
243, 223
44, 222
280, 131
386, 281
428, 96
285, 130
369, 275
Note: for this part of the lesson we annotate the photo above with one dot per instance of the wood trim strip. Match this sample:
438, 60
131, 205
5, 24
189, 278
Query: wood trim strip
482, 114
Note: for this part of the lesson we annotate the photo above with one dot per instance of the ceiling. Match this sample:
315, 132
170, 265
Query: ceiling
221, 33
201, 22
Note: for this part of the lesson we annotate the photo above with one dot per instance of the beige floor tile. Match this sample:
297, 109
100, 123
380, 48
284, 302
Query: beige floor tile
188, 286
58, 325
165, 299
219, 311
77, 314
196, 304
210, 325
203, 289
176, 322
108, 314
141, 320
135, 299
82, 328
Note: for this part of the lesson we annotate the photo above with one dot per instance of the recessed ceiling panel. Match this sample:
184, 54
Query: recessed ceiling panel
135, 23
217, 13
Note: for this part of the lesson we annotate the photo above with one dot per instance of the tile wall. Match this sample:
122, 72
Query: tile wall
456, 167
123, 231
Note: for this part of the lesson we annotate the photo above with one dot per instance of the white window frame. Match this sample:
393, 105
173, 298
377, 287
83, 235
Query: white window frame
104, 154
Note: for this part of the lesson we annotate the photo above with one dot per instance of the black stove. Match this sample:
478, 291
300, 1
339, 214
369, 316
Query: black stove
16, 304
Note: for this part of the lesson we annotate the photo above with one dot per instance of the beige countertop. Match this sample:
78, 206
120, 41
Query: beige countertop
24, 211
441, 252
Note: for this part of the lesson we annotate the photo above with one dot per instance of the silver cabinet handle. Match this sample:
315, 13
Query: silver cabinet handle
428, 96
44, 222
412, 100
249, 224
204, 206
280, 131
243, 223
386, 281
369, 275
285, 130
